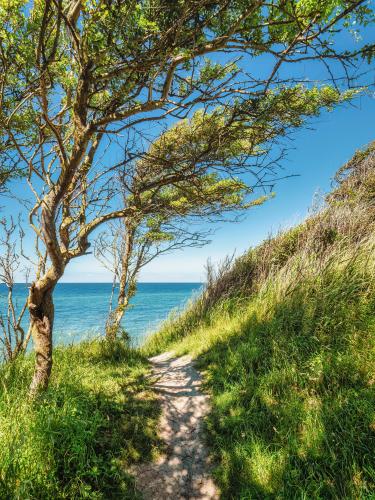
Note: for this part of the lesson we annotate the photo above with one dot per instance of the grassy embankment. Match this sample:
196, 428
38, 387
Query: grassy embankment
78, 439
286, 340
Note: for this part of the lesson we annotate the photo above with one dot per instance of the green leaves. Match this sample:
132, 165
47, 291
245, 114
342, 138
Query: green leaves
156, 237
144, 21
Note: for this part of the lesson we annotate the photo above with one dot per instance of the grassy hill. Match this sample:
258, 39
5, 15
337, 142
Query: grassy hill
285, 336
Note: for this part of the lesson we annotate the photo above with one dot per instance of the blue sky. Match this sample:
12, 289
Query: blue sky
316, 154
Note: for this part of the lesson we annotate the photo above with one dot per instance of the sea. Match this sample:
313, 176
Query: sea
81, 309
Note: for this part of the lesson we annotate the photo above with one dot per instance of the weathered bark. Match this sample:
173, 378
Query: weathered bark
41, 310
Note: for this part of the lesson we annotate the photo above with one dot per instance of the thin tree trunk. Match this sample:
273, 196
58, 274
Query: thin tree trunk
41, 317
40, 301
123, 298
118, 313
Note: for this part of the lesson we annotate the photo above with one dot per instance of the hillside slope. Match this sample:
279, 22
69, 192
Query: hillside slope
285, 337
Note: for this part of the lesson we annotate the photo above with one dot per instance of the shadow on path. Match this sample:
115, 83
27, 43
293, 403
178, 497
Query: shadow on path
183, 472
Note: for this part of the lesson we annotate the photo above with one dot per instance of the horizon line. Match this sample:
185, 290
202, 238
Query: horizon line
111, 282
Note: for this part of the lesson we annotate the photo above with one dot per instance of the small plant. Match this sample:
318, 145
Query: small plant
13, 337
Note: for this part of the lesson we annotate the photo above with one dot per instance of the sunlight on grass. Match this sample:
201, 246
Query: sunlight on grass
291, 377
263, 468
312, 433
78, 439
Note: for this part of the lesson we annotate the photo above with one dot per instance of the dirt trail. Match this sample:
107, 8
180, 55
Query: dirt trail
184, 471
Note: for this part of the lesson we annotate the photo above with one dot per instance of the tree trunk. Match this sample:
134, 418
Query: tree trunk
116, 317
123, 294
41, 317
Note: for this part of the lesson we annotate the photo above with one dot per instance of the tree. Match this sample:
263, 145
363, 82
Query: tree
78, 77
164, 220
180, 188
129, 245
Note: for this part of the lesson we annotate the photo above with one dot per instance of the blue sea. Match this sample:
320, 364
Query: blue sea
81, 308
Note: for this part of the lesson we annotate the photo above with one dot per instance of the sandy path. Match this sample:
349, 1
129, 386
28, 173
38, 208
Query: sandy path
184, 471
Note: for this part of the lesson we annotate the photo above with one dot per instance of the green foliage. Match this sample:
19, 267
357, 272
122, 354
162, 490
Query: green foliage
228, 133
227, 136
214, 71
78, 439
125, 48
6, 175
157, 237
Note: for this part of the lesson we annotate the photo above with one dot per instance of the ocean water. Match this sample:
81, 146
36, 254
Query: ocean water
81, 308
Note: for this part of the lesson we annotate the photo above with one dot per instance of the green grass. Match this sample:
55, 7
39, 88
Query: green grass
291, 375
78, 439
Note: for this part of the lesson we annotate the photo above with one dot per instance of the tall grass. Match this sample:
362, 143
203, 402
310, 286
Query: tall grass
346, 218
79, 438
286, 342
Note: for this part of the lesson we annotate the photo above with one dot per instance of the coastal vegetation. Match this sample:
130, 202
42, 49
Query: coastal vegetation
285, 338
79, 439
81, 82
